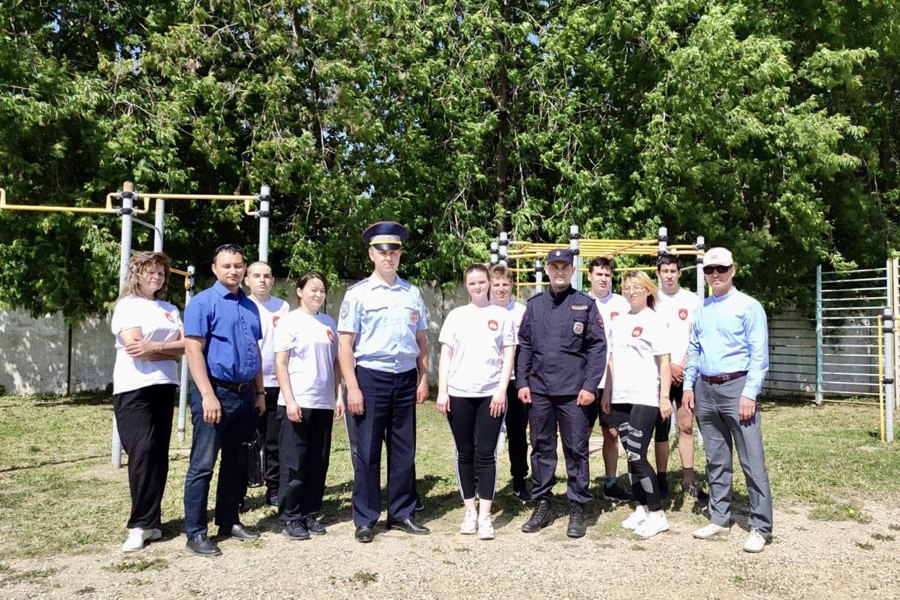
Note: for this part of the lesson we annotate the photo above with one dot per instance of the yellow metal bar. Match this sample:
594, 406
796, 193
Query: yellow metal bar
109, 209
881, 408
199, 197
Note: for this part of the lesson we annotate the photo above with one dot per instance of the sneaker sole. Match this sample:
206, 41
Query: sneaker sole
293, 537
631, 527
543, 526
715, 535
614, 499
486, 537
647, 536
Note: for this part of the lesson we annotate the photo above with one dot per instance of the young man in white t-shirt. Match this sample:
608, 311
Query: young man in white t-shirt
677, 307
260, 281
611, 305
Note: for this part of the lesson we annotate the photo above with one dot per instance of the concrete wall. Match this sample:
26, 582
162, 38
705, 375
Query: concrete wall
34, 353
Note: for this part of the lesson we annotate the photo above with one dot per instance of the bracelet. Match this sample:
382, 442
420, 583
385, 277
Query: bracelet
260, 393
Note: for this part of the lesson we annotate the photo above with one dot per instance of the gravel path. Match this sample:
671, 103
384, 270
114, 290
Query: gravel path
808, 559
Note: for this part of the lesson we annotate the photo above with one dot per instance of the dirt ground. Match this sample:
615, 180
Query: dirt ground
807, 559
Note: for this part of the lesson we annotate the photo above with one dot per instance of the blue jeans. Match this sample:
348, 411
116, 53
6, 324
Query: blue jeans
228, 435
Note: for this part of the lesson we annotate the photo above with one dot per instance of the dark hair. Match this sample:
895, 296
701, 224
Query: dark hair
667, 259
476, 267
500, 272
229, 248
136, 266
309, 276
601, 261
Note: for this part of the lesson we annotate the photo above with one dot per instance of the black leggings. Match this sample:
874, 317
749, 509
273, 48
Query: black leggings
475, 433
636, 424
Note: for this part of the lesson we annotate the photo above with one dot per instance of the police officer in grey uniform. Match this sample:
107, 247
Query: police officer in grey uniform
383, 354
561, 359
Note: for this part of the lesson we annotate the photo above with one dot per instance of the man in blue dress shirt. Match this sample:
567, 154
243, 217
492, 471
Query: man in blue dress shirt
221, 328
727, 361
383, 355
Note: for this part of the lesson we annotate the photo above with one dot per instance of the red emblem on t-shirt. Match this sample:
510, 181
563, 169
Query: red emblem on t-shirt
275, 320
330, 335
613, 315
637, 331
493, 325
682, 314
169, 317
414, 317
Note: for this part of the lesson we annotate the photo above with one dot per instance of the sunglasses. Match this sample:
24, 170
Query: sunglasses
231, 248
717, 268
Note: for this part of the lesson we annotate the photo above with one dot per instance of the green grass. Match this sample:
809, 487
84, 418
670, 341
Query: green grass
59, 493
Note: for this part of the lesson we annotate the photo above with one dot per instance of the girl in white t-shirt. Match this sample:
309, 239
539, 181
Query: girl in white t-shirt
149, 342
637, 394
477, 345
305, 365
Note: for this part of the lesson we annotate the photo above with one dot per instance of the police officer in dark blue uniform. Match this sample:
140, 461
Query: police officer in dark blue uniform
561, 359
383, 354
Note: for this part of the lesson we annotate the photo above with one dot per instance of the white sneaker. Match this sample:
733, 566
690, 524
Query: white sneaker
485, 529
137, 537
470, 523
655, 522
636, 518
711, 530
756, 542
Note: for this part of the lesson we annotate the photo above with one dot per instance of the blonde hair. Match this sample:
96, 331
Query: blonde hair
500, 271
645, 282
141, 261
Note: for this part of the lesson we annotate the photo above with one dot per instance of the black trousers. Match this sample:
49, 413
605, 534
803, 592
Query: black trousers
475, 434
545, 414
516, 433
144, 420
636, 424
304, 453
268, 429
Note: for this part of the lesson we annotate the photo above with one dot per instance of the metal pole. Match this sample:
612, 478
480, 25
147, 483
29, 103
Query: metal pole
538, 273
888, 328
820, 374
495, 253
573, 246
159, 225
185, 371
126, 213
264, 198
663, 238
701, 282
504, 248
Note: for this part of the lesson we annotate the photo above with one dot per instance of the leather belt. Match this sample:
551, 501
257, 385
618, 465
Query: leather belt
722, 378
234, 387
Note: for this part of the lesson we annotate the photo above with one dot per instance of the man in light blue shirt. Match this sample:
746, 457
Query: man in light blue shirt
383, 354
727, 362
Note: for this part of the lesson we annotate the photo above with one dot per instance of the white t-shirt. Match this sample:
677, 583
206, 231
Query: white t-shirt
159, 322
610, 308
312, 342
637, 340
270, 312
477, 336
517, 311
677, 311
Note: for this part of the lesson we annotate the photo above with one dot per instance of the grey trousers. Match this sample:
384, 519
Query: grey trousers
716, 407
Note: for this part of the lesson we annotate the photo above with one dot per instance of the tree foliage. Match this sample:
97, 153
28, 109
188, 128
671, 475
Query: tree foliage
769, 128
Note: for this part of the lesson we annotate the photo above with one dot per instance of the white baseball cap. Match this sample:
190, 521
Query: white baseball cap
717, 256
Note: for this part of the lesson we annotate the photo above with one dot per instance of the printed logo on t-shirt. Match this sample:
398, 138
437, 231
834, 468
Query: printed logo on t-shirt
637, 331
414, 317
493, 325
682, 314
275, 319
613, 315
330, 334
170, 317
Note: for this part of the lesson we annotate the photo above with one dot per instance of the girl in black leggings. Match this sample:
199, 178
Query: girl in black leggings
477, 345
637, 394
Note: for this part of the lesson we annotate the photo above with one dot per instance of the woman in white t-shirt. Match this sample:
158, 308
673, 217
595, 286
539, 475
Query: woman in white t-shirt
149, 342
305, 365
477, 346
637, 392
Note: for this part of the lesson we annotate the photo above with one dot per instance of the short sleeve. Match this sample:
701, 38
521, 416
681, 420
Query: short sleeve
176, 315
350, 314
125, 316
509, 332
196, 322
659, 338
448, 331
285, 336
422, 323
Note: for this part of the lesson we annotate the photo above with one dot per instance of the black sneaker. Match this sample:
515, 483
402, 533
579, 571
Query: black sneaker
313, 526
663, 483
520, 489
295, 530
614, 493
694, 491
540, 518
577, 526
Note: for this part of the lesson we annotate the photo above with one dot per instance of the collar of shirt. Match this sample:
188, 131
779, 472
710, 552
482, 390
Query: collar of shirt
225, 292
376, 281
724, 297
561, 295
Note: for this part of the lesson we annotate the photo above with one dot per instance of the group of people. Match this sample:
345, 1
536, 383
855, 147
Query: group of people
554, 367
